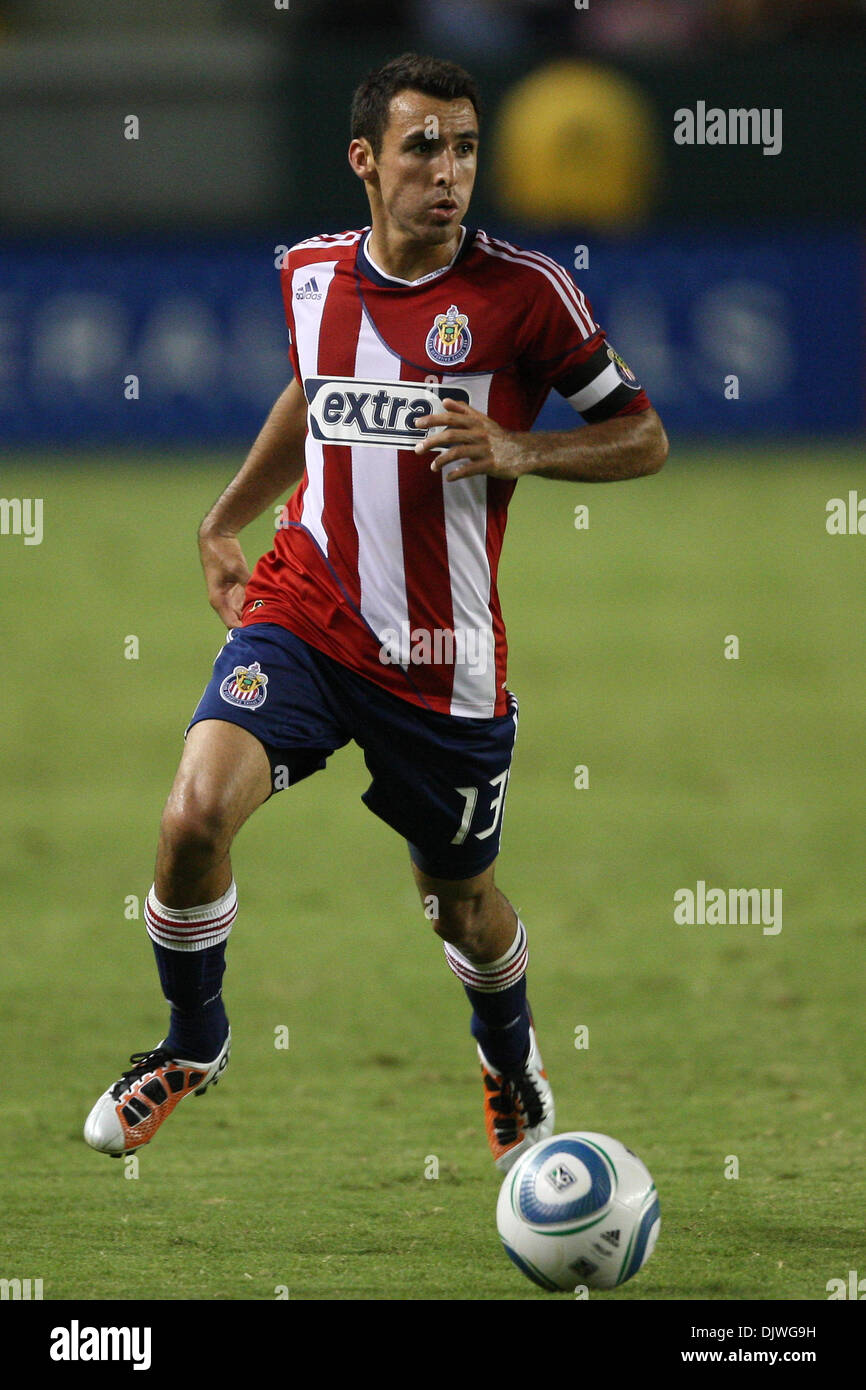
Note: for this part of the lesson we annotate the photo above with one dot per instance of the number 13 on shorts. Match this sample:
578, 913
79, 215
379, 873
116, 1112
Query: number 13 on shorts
470, 797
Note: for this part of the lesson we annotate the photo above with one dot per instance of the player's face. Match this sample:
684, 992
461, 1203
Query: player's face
425, 169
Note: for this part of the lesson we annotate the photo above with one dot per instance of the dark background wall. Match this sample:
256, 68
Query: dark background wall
155, 255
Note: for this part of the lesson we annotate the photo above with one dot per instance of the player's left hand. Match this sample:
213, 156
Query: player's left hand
478, 442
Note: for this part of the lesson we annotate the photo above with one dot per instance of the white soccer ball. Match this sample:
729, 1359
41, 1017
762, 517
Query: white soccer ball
578, 1208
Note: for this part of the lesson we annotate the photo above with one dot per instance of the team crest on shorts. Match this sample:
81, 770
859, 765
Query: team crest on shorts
246, 687
449, 340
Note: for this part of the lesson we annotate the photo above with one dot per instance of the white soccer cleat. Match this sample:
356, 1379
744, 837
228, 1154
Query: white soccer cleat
130, 1112
518, 1110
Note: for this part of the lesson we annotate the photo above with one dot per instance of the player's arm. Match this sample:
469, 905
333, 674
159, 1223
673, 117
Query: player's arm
609, 451
273, 465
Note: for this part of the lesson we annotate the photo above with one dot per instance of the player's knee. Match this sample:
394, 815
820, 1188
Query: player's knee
194, 829
462, 922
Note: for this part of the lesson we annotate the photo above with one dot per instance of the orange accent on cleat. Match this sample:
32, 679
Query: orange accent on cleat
175, 1081
130, 1112
518, 1111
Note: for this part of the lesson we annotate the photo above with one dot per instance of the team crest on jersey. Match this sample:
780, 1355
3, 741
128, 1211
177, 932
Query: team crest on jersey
622, 368
449, 340
246, 687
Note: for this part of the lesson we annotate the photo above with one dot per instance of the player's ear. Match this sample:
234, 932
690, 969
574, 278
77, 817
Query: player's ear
361, 158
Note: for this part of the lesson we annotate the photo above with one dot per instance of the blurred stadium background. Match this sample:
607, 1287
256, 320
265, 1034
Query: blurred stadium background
151, 255
154, 257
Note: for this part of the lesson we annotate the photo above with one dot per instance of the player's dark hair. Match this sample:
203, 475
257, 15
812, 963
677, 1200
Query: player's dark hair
435, 77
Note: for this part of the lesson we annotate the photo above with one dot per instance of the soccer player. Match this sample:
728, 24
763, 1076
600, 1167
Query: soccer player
422, 353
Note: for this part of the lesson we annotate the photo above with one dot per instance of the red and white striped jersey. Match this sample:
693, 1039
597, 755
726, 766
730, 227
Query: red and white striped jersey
379, 562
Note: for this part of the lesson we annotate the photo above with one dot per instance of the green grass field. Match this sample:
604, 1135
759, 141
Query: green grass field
306, 1167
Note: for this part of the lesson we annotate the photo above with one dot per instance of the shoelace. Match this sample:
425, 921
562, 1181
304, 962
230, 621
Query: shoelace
142, 1062
505, 1099
532, 1102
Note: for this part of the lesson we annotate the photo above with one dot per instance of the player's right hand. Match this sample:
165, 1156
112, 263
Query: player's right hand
226, 575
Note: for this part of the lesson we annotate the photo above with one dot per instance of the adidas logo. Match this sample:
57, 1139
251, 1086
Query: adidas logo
309, 291
612, 1238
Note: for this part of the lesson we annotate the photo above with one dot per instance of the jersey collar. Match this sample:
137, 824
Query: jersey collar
368, 268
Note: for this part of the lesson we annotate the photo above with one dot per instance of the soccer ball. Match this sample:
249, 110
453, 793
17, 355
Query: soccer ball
578, 1208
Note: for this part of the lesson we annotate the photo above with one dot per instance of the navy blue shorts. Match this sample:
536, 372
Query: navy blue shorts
439, 781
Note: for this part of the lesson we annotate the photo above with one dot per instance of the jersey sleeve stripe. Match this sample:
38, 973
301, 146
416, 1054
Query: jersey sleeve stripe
579, 315
538, 259
567, 281
327, 240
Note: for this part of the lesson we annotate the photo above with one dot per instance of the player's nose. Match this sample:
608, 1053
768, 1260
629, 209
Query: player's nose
446, 172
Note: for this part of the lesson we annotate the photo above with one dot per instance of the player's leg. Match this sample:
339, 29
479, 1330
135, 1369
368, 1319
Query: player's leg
485, 946
224, 774
264, 722
441, 782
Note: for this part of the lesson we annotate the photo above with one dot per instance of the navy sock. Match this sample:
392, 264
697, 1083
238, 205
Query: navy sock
192, 983
500, 1025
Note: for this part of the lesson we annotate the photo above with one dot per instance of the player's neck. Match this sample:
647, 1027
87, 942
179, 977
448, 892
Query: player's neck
405, 258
